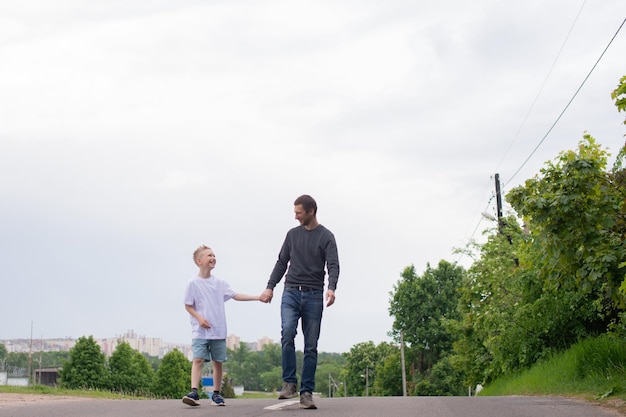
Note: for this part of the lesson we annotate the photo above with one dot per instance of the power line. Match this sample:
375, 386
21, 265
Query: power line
560, 115
532, 106
569, 102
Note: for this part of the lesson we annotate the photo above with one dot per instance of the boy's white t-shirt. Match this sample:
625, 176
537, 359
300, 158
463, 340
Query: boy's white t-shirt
207, 296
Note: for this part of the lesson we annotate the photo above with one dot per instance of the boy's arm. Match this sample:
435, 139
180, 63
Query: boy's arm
203, 322
246, 297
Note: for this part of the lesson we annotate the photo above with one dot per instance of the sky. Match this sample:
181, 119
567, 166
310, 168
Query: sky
133, 132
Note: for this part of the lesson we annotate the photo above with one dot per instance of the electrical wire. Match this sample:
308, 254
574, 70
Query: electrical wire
568, 103
532, 106
560, 115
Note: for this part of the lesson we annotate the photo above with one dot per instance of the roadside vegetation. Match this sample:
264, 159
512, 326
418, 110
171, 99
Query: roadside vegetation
593, 369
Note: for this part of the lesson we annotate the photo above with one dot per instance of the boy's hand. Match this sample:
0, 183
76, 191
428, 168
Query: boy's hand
204, 323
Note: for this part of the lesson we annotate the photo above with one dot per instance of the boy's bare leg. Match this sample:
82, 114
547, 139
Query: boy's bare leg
217, 376
196, 372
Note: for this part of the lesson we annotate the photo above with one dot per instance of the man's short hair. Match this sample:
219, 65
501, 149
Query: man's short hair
307, 202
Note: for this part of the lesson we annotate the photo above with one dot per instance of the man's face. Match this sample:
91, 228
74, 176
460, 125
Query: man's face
302, 216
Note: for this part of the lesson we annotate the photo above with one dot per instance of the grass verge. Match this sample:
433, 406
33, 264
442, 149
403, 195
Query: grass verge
593, 369
46, 390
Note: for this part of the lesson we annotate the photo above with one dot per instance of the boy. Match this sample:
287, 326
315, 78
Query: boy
205, 296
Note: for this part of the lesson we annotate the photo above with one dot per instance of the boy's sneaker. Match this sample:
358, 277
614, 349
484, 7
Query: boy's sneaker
192, 398
218, 399
288, 391
306, 401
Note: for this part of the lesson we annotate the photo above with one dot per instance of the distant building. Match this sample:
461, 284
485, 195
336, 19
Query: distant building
47, 376
149, 345
264, 341
232, 342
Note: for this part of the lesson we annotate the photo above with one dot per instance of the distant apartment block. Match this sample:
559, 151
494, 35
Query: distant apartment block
148, 345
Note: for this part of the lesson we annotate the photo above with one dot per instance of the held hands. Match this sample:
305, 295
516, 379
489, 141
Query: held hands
266, 296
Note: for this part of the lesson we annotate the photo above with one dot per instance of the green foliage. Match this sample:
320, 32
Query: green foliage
578, 243
227, 389
363, 363
423, 308
172, 380
86, 367
238, 369
495, 333
619, 95
604, 357
443, 379
153, 361
17, 360
388, 376
272, 379
330, 365
130, 370
592, 367
262, 370
537, 291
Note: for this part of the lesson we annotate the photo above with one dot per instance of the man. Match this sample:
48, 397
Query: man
308, 250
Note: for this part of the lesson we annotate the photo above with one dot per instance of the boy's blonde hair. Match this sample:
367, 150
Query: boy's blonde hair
196, 253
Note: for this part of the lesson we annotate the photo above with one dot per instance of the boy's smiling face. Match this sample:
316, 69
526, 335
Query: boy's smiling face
206, 259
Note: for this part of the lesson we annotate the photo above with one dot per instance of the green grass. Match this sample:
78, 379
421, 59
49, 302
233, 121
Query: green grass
46, 390
593, 369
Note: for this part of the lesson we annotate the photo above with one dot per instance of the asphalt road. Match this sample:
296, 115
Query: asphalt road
348, 407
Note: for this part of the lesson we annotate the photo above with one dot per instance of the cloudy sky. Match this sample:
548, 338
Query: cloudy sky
132, 132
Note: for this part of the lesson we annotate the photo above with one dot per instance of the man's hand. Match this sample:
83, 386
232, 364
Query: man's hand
330, 298
266, 296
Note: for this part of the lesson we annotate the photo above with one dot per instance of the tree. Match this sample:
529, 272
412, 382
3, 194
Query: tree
539, 290
388, 380
130, 370
227, 390
258, 370
444, 379
494, 335
329, 365
272, 379
619, 95
363, 363
172, 378
86, 367
575, 214
422, 307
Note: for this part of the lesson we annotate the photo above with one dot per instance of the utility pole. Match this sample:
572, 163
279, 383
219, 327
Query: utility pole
402, 364
499, 202
30, 354
500, 220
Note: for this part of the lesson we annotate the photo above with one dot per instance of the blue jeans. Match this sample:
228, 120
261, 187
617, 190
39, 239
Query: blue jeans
308, 306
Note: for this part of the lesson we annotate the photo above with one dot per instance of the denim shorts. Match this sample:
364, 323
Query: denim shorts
209, 350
